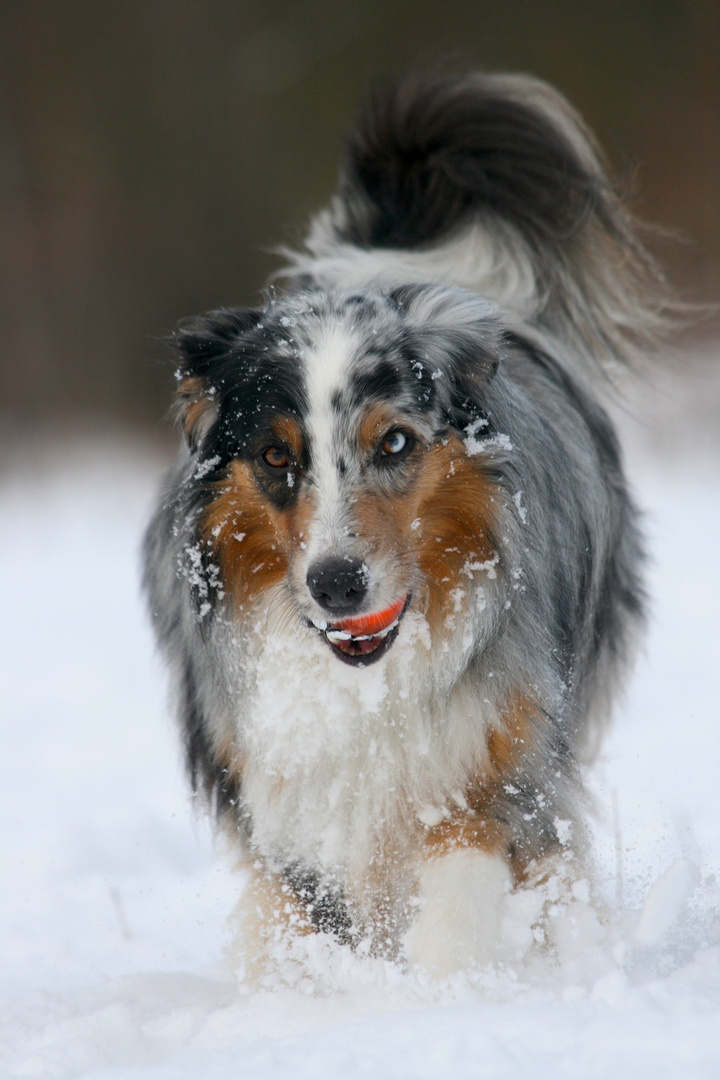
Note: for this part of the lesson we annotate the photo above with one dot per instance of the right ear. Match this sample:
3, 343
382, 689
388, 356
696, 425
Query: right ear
204, 345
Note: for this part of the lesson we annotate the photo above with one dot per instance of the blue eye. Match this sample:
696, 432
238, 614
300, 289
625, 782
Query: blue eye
394, 443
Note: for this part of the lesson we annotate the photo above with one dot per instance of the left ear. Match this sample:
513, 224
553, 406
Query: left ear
460, 335
203, 345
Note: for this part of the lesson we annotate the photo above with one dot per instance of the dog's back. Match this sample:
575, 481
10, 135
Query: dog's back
402, 463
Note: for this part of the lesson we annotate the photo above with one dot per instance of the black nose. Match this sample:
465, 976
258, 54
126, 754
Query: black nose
338, 585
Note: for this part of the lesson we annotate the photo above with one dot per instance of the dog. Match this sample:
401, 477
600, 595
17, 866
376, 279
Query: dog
396, 572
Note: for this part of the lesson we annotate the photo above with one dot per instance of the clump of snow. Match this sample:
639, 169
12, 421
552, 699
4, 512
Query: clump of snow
522, 510
563, 830
475, 445
205, 467
115, 906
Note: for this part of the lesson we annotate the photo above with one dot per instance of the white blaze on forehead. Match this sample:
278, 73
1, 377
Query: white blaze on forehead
327, 372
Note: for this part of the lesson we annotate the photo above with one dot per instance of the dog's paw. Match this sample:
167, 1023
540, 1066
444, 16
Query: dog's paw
458, 925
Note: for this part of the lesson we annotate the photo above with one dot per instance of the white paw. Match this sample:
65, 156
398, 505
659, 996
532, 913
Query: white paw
458, 925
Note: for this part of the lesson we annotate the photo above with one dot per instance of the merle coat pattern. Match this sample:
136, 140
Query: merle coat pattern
395, 570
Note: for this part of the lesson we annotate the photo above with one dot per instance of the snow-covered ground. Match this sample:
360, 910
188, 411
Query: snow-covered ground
114, 904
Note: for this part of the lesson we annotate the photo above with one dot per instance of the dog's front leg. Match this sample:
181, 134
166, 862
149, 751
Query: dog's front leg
463, 878
268, 916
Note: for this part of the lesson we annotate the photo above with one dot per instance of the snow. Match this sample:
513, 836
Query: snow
115, 903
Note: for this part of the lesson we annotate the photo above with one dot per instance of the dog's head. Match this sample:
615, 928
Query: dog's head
333, 439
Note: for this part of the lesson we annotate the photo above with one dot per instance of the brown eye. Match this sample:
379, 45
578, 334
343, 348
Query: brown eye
275, 457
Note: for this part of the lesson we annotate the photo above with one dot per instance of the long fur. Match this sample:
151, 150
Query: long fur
414, 424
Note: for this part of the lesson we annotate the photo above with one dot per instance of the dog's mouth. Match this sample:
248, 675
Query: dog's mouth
363, 639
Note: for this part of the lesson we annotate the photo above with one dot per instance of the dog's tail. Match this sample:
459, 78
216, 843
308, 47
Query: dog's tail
492, 183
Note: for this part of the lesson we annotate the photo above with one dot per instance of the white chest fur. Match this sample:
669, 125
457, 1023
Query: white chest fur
341, 762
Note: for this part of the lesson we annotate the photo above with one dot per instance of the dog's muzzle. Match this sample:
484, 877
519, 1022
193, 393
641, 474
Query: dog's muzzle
363, 639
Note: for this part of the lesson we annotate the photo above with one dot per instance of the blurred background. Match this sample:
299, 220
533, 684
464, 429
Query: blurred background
153, 151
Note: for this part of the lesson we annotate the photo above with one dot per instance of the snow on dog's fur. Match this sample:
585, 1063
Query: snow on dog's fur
395, 570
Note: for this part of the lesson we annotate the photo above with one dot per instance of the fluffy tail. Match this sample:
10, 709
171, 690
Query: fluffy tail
492, 183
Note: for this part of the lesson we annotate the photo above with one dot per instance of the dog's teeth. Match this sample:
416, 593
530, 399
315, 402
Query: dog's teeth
344, 635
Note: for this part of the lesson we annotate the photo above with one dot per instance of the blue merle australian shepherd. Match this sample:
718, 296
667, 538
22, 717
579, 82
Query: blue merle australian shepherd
395, 569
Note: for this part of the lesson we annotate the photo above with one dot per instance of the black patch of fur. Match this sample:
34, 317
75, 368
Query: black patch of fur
247, 376
207, 776
202, 341
326, 907
427, 153
382, 381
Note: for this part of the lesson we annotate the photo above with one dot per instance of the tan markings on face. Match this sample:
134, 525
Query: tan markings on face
251, 540
376, 423
457, 512
444, 520
192, 405
289, 435
482, 824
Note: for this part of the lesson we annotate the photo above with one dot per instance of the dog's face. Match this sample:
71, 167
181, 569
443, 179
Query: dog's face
332, 460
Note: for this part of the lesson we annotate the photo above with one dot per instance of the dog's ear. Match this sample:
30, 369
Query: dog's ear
459, 334
204, 345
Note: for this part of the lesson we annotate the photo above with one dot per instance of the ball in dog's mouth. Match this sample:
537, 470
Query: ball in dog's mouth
364, 638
